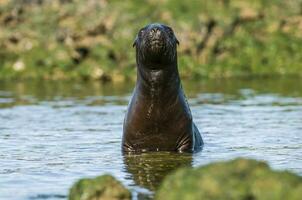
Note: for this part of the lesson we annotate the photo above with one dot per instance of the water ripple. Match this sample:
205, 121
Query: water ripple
50, 140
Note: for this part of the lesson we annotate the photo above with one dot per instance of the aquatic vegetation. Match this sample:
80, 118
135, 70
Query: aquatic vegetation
72, 39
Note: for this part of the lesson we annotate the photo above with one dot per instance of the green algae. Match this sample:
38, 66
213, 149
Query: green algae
240, 179
103, 187
79, 40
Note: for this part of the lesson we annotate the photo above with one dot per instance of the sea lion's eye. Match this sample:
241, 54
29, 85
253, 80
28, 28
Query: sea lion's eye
141, 32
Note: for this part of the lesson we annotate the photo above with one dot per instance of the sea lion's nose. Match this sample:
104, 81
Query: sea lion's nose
155, 32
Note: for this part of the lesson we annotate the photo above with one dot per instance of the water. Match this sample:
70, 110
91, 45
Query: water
53, 133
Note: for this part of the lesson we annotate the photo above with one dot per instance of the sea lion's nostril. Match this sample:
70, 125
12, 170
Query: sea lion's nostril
155, 29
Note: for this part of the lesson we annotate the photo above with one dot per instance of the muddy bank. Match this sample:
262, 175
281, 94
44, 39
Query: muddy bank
77, 39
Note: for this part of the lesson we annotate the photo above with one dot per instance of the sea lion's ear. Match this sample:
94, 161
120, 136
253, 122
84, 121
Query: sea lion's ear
177, 42
134, 42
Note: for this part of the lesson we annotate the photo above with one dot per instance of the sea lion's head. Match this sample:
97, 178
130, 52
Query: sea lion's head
156, 44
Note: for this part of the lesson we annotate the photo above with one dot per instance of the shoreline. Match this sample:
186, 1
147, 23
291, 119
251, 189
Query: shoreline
52, 40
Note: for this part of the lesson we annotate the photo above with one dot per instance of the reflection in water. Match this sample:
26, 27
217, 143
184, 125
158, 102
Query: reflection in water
53, 133
65, 92
148, 169
33, 92
48, 196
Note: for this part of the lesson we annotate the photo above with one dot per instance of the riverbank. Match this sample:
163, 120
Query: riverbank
77, 39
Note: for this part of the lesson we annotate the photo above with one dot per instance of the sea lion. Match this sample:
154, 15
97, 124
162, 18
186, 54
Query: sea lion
158, 116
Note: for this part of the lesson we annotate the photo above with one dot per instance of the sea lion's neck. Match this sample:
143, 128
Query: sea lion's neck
163, 81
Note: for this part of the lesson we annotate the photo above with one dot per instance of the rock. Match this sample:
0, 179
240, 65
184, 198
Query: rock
103, 187
4, 2
217, 39
236, 179
19, 65
248, 13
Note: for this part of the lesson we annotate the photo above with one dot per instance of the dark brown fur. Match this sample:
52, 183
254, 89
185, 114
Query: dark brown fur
158, 116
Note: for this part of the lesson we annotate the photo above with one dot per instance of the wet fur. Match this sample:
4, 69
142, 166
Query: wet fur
158, 116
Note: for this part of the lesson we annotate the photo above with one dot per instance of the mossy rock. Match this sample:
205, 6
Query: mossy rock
103, 187
237, 179
218, 39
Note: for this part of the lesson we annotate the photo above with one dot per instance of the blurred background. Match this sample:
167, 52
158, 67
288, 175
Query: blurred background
241, 68
92, 39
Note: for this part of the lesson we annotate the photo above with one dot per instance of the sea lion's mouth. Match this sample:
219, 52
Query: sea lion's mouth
156, 45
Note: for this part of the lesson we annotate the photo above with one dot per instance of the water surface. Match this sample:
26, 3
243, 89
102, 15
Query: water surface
53, 133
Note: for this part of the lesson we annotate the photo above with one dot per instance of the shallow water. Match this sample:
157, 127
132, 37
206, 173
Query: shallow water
53, 133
